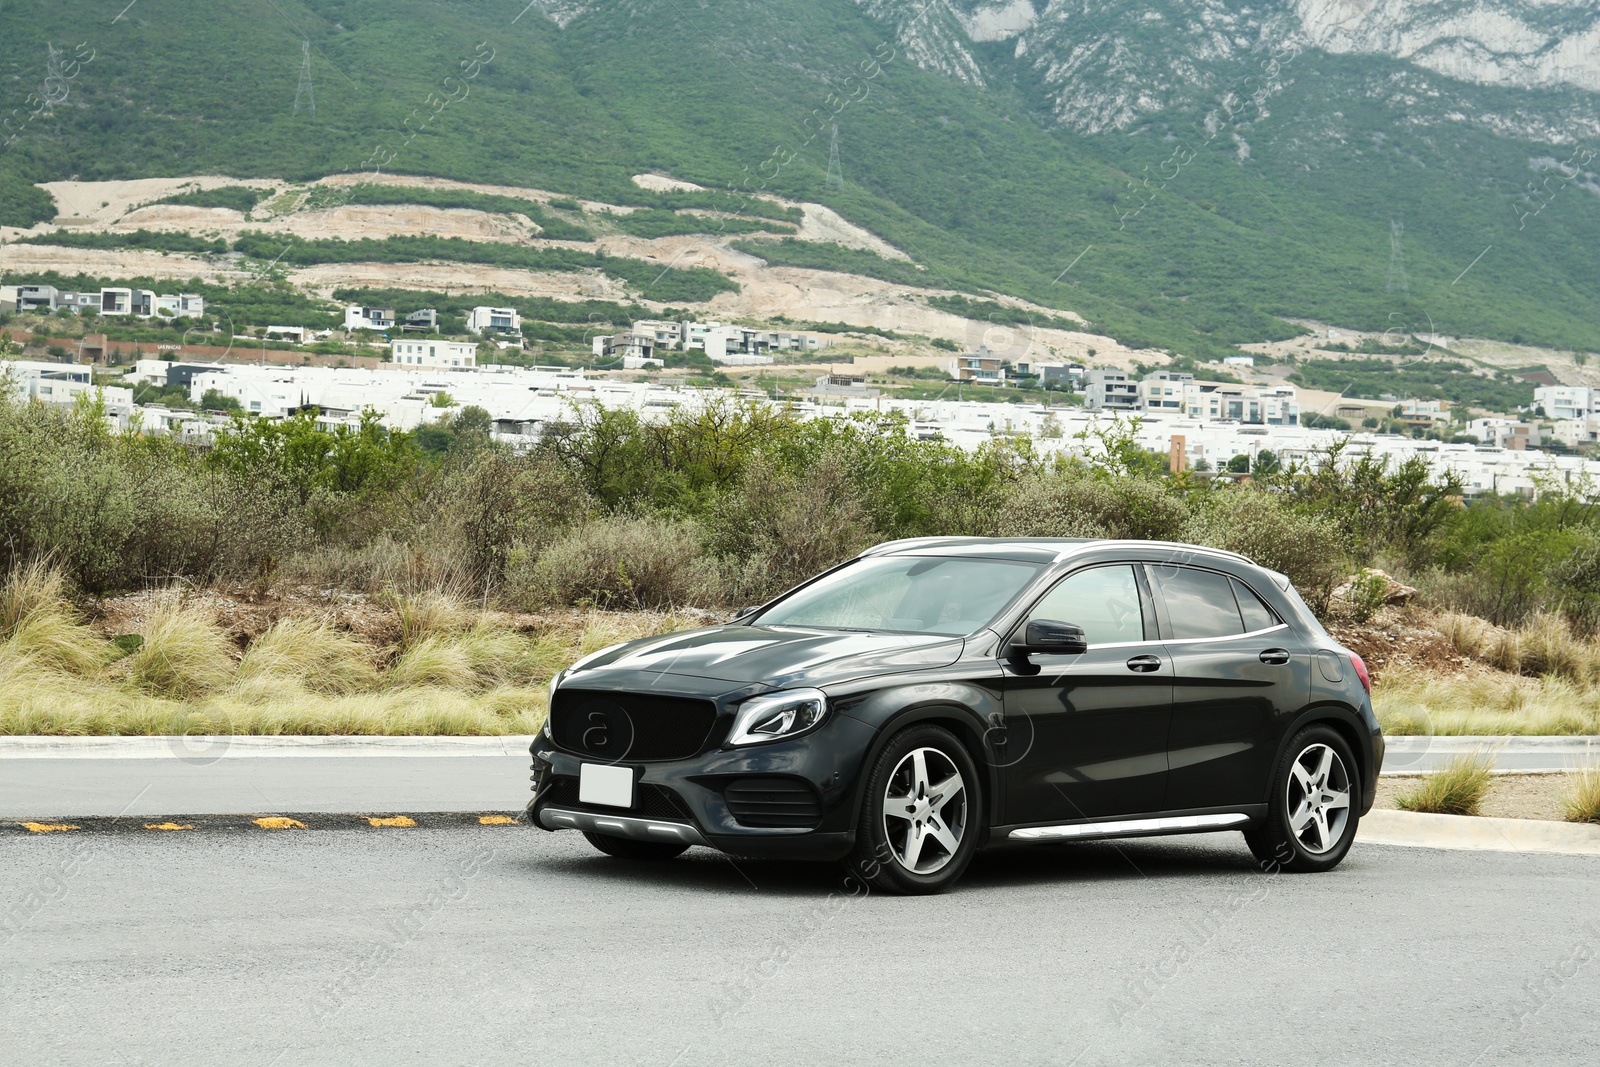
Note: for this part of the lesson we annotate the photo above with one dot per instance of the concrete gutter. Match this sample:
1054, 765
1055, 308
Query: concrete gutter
1473, 833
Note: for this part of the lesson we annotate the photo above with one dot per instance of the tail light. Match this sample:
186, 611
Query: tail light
1361, 672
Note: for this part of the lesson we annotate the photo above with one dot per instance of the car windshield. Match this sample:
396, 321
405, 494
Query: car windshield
906, 594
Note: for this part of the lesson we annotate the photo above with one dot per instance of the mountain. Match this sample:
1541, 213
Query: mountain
1187, 174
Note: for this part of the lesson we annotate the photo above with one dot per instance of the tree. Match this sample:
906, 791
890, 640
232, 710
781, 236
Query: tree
1266, 462
214, 400
1239, 464
442, 400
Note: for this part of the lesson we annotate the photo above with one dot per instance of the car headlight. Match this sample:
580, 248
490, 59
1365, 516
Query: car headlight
778, 716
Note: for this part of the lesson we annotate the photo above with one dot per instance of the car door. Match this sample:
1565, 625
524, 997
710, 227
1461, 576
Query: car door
1238, 673
1086, 734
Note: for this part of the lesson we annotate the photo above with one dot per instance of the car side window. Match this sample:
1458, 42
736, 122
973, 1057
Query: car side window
1257, 616
1199, 603
1102, 600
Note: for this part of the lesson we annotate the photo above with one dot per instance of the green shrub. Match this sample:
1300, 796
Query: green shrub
1307, 548
618, 563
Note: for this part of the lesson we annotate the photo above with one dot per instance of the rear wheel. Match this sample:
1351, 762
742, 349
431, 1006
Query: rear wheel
922, 814
626, 848
1311, 816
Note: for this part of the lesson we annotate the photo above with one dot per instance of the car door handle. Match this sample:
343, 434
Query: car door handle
1276, 656
1144, 664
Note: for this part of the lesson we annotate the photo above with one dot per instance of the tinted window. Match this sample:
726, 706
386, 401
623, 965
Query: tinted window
1257, 616
906, 594
1102, 600
1200, 603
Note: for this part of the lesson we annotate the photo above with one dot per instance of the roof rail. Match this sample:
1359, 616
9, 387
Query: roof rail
1225, 553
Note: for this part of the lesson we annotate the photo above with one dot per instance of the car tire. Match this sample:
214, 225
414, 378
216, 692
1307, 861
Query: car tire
626, 848
940, 797
1312, 810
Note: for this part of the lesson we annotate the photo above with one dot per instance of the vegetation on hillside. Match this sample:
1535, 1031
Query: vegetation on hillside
551, 226
1435, 379
656, 222
974, 183
240, 198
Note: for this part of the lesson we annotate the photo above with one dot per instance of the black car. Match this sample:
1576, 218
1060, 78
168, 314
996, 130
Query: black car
931, 696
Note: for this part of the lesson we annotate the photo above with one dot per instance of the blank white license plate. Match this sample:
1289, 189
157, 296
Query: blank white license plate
600, 783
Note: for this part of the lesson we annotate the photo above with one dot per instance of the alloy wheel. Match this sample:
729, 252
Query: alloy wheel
1318, 799
924, 810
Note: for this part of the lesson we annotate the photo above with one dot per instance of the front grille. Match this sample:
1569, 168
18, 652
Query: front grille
635, 727
649, 801
773, 801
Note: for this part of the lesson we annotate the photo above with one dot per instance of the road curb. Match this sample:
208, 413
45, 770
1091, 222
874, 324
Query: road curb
258, 823
211, 747
1475, 833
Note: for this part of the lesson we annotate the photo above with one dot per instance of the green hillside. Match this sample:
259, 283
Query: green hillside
973, 183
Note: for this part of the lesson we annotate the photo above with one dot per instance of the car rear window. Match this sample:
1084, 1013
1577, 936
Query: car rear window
1257, 616
1200, 603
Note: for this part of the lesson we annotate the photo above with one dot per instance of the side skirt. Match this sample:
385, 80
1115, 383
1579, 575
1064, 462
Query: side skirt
1148, 826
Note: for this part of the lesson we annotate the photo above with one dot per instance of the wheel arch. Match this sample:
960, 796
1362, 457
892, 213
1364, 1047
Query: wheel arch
1343, 720
964, 723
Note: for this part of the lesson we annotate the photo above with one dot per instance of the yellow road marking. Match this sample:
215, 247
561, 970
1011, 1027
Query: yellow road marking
167, 826
47, 827
398, 820
496, 820
279, 822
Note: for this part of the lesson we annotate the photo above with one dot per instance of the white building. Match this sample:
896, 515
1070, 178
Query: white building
1505, 433
1110, 390
63, 384
494, 320
433, 354
183, 305
361, 318
1575, 433
137, 302
1567, 401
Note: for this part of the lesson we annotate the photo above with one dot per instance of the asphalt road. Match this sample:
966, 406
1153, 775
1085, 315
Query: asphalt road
510, 946
152, 776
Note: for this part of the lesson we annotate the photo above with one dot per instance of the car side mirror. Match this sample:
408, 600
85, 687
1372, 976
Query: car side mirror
1051, 638
745, 613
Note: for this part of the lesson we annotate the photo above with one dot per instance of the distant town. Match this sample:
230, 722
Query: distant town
413, 376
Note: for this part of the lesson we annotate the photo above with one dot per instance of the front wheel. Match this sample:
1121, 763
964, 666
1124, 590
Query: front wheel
626, 848
921, 818
1311, 814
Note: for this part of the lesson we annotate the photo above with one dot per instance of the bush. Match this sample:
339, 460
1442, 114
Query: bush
1079, 503
618, 563
777, 529
1310, 550
184, 654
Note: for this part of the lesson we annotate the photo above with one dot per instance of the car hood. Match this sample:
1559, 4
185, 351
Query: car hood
781, 657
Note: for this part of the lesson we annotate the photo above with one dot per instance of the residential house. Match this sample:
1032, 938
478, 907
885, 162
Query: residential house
1567, 401
1110, 390
1505, 433
494, 320
424, 321
364, 318
982, 367
452, 354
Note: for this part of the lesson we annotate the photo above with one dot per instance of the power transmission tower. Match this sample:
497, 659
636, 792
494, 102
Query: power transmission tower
835, 178
1397, 259
305, 97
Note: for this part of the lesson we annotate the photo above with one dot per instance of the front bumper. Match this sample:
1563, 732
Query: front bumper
688, 802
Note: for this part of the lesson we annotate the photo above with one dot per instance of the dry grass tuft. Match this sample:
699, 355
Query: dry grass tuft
311, 654
1459, 789
1581, 801
1410, 701
184, 654
39, 630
